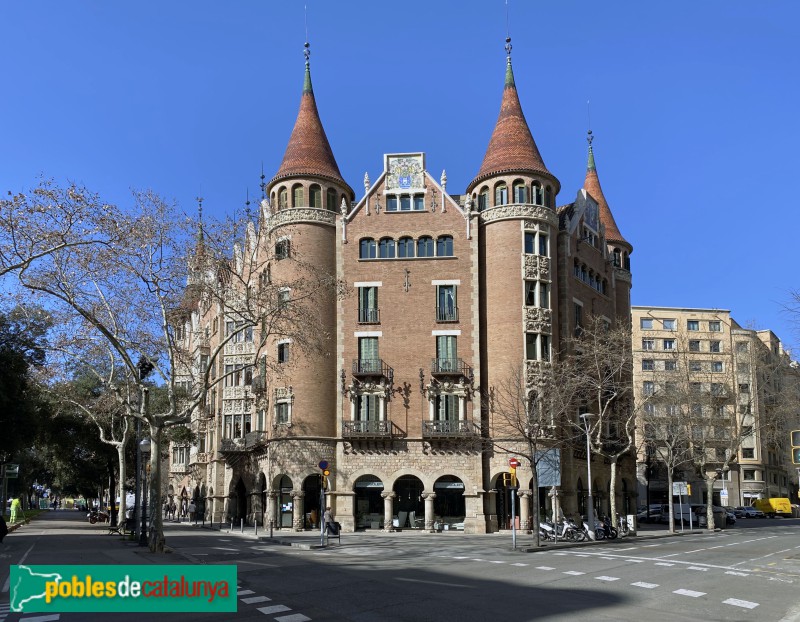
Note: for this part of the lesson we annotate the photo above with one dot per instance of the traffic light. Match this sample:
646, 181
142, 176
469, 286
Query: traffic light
512, 471
326, 471
795, 446
688, 490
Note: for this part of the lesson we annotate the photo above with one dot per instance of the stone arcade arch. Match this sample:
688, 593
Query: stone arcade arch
369, 503
312, 486
409, 504
449, 505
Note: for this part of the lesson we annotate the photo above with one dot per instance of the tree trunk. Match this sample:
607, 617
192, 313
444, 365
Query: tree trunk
156, 524
122, 476
669, 503
535, 491
112, 511
709, 506
612, 492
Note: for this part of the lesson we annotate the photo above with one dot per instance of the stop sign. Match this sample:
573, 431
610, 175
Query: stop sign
513, 462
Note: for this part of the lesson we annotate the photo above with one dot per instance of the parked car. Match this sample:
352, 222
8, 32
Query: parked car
701, 517
735, 511
750, 512
653, 517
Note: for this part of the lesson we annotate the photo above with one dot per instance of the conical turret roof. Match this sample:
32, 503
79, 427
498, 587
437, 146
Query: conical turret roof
592, 185
511, 148
309, 152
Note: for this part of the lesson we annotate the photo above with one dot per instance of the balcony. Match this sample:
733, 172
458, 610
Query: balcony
367, 429
447, 314
242, 445
371, 367
369, 316
449, 429
450, 367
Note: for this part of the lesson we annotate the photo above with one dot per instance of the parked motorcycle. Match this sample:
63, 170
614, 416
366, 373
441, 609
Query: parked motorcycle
610, 531
96, 515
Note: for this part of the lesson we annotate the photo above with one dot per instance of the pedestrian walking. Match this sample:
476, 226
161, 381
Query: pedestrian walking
330, 526
16, 511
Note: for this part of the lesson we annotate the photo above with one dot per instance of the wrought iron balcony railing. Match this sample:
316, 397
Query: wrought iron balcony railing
367, 429
371, 367
447, 314
369, 316
449, 429
450, 367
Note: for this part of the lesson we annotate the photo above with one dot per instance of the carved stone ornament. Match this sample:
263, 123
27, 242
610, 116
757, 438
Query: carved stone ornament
446, 388
237, 350
297, 215
405, 173
517, 211
538, 320
536, 373
537, 267
369, 388
622, 275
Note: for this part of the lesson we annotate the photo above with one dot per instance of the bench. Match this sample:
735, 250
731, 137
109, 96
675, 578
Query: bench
123, 528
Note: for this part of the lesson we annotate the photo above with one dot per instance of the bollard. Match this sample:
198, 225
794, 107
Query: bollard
270, 527
256, 528
231, 526
242, 525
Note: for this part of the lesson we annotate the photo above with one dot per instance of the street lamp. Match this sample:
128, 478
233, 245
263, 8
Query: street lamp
144, 448
585, 417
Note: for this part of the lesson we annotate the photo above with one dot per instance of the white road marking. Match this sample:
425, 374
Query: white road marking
519, 564
496, 562
431, 582
740, 603
461, 558
649, 586
607, 558
737, 574
607, 578
635, 561
295, 617
19, 563
274, 609
649, 546
664, 564
695, 551
255, 599
223, 548
691, 593
573, 572
697, 568
247, 561
245, 592
50, 618
544, 568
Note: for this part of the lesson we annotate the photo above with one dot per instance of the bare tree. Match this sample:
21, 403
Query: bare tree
48, 219
133, 297
601, 362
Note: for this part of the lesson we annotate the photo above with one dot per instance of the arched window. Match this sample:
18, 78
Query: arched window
315, 196
444, 246
501, 194
425, 246
272, 199
536, 190
627, 260
548, 196
584, 274
406, 247
386, 248
298, 197
283, 198
520, 192
616, 258
367, 249
483, 199
330, 200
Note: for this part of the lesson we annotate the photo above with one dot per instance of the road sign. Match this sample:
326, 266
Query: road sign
513, 462
323, 464
679, 488
12, 471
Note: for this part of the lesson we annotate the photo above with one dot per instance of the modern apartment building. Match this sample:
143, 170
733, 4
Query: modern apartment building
712, 387
447, 294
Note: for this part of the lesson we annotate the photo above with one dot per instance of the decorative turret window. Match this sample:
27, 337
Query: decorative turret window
537, 294
298, 196
283, 198
537, 194
330, 200
537, 347
282, 249
548, 196
501, 194
520, 192
537, 243
315, 196
483, 199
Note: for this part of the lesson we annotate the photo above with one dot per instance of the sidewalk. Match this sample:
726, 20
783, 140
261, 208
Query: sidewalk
309, 540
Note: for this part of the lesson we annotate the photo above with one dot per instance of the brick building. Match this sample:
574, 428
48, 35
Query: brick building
447, 293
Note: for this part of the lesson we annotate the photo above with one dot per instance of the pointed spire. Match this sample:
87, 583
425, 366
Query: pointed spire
200, 235
511, 148
592, 185
309, 152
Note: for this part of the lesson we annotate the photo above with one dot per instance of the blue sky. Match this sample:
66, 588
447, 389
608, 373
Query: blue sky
693, 105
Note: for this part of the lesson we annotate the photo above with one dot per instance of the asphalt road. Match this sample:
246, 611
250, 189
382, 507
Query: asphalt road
749, 572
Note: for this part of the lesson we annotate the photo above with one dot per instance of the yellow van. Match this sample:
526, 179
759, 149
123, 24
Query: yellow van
774, 506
